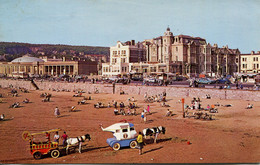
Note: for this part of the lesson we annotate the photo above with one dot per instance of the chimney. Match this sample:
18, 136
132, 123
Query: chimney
132, 42
63, 59
258, 52
252, 52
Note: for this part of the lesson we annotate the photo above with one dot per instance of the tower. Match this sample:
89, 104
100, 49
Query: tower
167, 40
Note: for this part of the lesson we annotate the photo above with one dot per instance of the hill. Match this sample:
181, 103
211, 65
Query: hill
12, 50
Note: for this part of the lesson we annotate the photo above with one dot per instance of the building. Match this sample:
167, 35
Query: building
180, 54
250, 63
27, 65
121, 56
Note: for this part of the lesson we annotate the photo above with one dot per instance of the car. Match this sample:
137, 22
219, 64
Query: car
151, 80
223, 81
137, 79
205, 81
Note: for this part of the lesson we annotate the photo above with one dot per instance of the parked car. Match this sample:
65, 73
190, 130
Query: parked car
205, 81
223, 81
151, 80
137, 79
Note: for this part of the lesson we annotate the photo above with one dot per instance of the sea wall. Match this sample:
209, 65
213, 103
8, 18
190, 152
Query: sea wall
138, 89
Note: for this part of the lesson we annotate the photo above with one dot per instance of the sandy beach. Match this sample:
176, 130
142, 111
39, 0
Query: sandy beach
233, 136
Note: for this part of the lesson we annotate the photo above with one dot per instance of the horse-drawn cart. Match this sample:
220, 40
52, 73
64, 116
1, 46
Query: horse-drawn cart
40, 148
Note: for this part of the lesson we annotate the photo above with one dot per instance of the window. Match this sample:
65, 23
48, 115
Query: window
114, 60
119, 52
256, 58
114, 52
124, 130
257, 66
254, 66
132, 128
123, 52
176, 49
236, 60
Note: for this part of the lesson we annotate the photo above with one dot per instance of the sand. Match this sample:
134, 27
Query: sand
232, 137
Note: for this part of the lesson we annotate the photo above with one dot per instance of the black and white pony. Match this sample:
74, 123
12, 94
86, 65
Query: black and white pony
77, 141
154, 131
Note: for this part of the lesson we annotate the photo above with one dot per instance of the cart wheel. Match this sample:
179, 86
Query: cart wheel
37, 155
116, 146
133, 144
55, 153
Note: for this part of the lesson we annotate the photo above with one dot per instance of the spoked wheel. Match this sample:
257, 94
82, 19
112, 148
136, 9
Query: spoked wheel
55, 153
116, 146
133, 144
37, 155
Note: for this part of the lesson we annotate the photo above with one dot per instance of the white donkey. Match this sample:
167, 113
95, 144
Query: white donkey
77, 141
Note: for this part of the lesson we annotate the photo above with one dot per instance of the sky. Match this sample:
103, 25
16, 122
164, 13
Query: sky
104, 22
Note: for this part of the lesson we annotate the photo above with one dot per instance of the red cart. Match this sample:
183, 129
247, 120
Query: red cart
40, 148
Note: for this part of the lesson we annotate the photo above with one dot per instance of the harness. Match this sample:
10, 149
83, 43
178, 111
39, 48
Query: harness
80, 139
156, 130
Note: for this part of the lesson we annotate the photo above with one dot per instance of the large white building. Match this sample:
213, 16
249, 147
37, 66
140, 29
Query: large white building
121, 56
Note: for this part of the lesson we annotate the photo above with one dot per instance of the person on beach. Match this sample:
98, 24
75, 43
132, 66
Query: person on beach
57, 112
56, 137
142, 116
140, 142
148, 108
64, 138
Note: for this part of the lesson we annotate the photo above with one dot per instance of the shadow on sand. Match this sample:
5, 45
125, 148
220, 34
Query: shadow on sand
151, 141
151, 150
62, 116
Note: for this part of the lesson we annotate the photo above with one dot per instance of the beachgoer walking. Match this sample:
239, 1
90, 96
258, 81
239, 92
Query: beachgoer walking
57, 112
148, 108
140, 142
142, 116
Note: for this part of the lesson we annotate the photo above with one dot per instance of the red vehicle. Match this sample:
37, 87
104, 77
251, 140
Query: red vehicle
40, 148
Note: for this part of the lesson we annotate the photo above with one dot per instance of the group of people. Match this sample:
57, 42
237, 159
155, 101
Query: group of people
47, 97
156, 98
99, 105
56, 138
122, 112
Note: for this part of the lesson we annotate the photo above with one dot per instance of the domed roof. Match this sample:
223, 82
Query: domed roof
27, 59
168, 29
